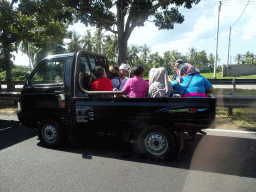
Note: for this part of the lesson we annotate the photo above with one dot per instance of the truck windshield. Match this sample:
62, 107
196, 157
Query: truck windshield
50, 72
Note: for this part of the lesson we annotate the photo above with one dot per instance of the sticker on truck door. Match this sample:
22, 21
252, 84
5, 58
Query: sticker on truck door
84, 114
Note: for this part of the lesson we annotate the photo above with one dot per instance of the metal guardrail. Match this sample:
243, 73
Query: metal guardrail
235, 100
221, 100
232, 81
9, 95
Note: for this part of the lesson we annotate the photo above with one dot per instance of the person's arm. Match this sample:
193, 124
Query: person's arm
126, 87
210, 90
208, 86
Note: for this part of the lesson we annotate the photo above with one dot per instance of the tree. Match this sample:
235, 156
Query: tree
128, 15
175, 55
9, 26
168, 62
110, 48
145, 52
98, 41
238, 58
30, 50
133, 54
76, 43
22, 23
247, 56
87, 41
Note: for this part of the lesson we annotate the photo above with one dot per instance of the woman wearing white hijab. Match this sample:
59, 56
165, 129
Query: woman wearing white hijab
159, 84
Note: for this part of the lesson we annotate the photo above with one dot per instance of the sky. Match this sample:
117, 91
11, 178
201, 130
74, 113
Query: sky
199, 31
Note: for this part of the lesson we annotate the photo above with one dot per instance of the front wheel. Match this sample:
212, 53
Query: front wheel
156, 143
49, 133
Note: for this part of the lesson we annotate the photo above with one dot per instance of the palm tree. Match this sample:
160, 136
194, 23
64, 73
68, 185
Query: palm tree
238, 58
87, 40
247, 56
75, 43
145, 52
98, 40
175, 55
133, 52
30, 51
110, 47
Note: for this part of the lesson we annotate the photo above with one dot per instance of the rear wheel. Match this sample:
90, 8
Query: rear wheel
156, 143
50, 134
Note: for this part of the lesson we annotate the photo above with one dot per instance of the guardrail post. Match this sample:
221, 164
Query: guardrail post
234, 85
230, 109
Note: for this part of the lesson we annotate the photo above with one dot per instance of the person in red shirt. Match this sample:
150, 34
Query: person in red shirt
101, 83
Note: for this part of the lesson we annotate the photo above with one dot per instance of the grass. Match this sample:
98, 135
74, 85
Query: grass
242, 119
8, 106
238, 91
219, 76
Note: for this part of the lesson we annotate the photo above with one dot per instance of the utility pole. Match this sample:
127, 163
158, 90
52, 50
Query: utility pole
229, 45
216, 53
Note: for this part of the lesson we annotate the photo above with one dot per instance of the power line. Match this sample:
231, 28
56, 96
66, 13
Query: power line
242, 13
213, 5
243, 33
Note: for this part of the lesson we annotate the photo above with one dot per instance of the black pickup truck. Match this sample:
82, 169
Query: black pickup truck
57, 99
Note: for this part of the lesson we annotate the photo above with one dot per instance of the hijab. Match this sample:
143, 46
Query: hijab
190, 70
159, 84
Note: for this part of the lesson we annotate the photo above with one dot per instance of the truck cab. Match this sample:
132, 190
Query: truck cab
57, 100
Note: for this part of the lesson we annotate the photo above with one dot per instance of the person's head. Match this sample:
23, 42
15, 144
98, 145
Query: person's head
132, 74
123, 70
178, 62
114, 71
180, 65
151, 74
158, 75
138, 71
99, 72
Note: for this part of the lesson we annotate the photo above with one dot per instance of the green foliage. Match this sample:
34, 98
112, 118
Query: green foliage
167, 19
75, 44
247, 58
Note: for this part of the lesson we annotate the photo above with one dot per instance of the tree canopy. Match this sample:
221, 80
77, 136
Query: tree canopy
122, 16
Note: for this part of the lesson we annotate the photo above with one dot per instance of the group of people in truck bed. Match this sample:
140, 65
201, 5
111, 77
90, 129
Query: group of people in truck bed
187, 83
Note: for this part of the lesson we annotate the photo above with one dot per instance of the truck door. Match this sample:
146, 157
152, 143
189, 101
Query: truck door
90, 107
46, 82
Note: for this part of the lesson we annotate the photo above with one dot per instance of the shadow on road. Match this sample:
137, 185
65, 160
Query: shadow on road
11, 133
208, 153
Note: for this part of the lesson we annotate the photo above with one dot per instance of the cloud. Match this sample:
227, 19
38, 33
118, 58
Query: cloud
144, 35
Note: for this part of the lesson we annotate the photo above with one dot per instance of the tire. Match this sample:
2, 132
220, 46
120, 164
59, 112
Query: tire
156, 143
50, 134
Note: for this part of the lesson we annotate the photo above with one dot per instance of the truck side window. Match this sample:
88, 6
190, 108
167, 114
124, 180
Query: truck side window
92, 62
50, 72
86, 67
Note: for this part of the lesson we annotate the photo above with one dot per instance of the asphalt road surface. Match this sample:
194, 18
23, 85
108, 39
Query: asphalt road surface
218, 161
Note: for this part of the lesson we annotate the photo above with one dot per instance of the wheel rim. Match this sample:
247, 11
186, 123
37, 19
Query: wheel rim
49, 133
156, 143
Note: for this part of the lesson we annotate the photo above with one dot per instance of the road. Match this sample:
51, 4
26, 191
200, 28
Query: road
218, 161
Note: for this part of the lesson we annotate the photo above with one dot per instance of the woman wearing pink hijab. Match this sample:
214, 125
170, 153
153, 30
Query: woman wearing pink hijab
189, 83
183, 69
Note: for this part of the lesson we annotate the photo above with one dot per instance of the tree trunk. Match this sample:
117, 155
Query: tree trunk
122, 41
122, 47
10, 85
